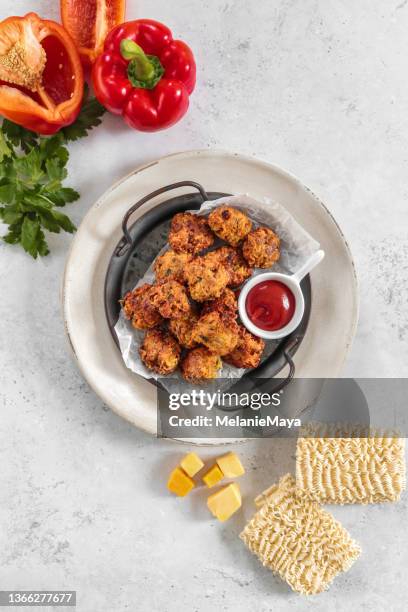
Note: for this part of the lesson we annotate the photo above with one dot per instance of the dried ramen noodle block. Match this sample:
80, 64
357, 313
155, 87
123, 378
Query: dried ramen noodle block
298, 540
348, 470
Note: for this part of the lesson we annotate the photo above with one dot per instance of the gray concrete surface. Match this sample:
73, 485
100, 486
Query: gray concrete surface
318, 87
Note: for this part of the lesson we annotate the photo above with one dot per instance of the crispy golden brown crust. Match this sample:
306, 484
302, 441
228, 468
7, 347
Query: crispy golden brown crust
200, 364
182, 329
160, 352
138, 308
218, 332
232, 260
248, 351
226, 304
183, 276
170, 299
230, 224
170, 266
261, 248
190, 233
206, 278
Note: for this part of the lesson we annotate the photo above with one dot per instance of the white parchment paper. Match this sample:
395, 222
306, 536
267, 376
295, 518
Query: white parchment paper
296, 247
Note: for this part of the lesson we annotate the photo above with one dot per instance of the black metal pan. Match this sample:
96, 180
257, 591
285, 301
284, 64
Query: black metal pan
140, 244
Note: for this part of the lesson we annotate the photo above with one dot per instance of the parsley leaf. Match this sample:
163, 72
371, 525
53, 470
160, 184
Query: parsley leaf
88, 118
32, 171
29, 168
19, 136
5, 150
63, 196
30, 230
7, 193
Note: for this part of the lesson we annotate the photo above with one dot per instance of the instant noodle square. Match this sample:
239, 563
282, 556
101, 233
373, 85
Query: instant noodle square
298, 540
367, 466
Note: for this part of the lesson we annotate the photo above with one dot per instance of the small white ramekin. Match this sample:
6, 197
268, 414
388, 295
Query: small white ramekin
293, 283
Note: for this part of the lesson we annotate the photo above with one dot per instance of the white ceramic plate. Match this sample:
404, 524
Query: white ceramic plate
334, 312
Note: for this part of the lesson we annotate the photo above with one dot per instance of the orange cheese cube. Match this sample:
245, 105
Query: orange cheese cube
225, 502
230, 465
191, 464
179, 482
213, 476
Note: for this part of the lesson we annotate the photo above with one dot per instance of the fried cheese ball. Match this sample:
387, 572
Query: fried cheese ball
248, 351
200, 364
160, 352
230, 224
217, 331
226, 304
170, 266
206, 278
236, 266
170, 299
138, 308
190, 233
183, 328
261, 248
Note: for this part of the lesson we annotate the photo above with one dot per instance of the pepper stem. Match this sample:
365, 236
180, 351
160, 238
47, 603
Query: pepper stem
144, 70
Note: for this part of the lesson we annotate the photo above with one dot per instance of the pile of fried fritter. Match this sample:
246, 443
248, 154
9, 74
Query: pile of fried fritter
191, 310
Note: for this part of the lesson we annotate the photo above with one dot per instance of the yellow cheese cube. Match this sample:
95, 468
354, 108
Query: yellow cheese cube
230, 465
191, 464
225, 502
213, 476
179, 483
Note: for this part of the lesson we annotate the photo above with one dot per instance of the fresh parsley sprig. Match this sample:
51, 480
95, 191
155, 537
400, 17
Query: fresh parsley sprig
32, 171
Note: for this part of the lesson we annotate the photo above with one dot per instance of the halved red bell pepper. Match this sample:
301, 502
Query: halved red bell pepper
41, 77
145, 75
89, 22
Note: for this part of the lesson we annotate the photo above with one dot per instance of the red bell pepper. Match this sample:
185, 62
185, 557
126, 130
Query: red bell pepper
41, 77
89, 22
145, 75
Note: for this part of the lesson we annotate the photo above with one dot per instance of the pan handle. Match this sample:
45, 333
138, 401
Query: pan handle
126, 242
288, 349
280, 383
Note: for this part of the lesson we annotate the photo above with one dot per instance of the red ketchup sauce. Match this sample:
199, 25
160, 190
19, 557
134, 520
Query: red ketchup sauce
270, 305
